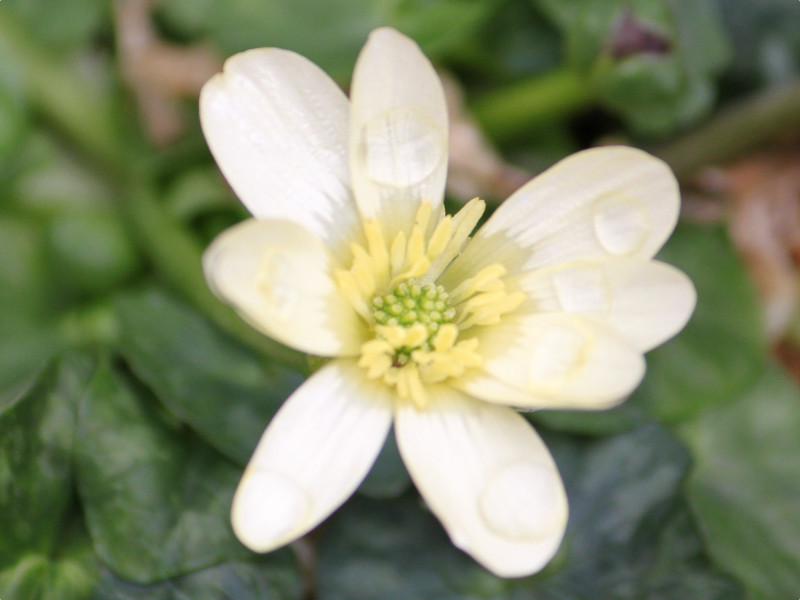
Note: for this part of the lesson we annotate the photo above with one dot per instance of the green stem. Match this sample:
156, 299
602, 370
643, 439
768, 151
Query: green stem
735, 131
57, 93
526, 106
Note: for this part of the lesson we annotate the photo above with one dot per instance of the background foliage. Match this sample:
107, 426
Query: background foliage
130, 399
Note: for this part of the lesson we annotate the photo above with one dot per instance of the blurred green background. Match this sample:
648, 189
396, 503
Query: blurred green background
130, 399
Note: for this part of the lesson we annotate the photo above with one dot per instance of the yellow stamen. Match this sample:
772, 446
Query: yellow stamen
417, 324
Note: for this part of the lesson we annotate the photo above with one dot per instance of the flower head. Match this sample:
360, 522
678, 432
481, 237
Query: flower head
350, 256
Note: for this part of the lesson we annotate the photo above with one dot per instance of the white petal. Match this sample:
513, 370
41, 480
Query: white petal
647, 302
314, 454
487, 476
398, 131
553, 361
603, 202
278, 276
277, 126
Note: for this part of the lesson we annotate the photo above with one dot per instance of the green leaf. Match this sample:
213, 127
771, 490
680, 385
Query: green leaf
91, 251
597, 423
69, 575
745, 486
61, 23
388, 477
329, 32
654, 63
36, 441
766, 41
156, 498
618, 482
25, 281
207, 380
723, 349
13, 112
269, 579
630, 535
389, 550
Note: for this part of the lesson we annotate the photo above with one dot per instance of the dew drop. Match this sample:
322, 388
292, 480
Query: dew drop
275, 284
582, 290
621, 224
559, 353
402, 146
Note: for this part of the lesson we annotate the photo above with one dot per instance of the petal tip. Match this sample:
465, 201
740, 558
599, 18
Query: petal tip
268, 510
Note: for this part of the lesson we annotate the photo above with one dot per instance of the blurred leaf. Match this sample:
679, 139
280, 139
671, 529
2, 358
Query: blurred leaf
390, 550
25, 348
25, 286
652, 62
36, 441
629, 537
263, 580
766, 41
618, 482
91, 251
61, 23
598, 423
745, 486
388, 477
329, 32
515, 42
69, 575
53, 182
210, 382
13, 112
723, 348
440, 27
156, 499
198, 191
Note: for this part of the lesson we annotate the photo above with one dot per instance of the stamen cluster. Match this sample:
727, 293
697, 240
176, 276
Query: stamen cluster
412, 303
419, 325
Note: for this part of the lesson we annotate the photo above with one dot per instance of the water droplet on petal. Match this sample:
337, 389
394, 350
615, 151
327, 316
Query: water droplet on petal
267, 508
621, 224
583, 290
402, 146
275, 282
524, 501
560, 352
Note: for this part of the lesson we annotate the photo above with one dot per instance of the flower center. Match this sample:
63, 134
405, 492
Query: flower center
419, 327
419, 310
411, 303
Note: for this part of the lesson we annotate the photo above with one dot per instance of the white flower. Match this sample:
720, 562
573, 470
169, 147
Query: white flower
350, 256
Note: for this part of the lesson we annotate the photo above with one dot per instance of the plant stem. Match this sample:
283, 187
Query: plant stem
523, 107
735, 131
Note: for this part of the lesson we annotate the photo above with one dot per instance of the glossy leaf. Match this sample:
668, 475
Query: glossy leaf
745, 486
263, 580
204, 378
630, 537
156, 498
71, 574
36, 442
